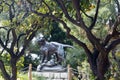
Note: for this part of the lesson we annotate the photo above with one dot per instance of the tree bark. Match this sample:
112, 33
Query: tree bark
99, 64
14, 68
102, 66
94, 61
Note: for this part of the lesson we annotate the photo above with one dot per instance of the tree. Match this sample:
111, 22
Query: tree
19, 32
14, 49
74, 12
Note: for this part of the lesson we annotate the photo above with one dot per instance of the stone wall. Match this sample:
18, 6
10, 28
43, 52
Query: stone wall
52, 75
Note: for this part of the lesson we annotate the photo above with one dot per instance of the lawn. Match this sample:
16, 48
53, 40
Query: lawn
24, 76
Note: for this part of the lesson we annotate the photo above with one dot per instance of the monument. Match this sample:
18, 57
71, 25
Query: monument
53, 55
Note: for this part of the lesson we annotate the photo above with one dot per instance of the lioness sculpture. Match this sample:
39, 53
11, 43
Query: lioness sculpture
49, 48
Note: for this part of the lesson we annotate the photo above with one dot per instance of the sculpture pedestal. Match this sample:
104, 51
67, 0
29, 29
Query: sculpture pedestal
56, 68
50, 67
52, 75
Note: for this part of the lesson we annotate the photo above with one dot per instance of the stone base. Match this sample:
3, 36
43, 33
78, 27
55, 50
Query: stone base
55, 68
52, 75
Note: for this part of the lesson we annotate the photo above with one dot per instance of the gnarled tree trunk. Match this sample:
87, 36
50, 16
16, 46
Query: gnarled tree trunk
102, 66
14, 68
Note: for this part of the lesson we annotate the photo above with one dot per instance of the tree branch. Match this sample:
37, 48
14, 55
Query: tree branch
29, 36
79, 23
6, 42
52, 17
76, 5
118, 6
5, 74
113, 32
23, 34
14, 39
47, 6
1, 10
61, 4
3, 27
5, 47
95, 17
115, 25
8, 34
113, 44
107, 39
88, 15
83, 45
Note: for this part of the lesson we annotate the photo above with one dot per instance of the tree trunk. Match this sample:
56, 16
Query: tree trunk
14, 68
99, 64
102, 66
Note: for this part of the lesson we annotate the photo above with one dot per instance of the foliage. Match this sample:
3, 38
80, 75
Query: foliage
85, 72
29, 60
57, 34
75, 57
114, 71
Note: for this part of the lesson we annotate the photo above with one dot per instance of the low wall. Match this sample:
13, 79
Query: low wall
52, 75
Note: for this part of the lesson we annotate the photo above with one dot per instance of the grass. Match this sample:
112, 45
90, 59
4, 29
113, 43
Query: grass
24, 76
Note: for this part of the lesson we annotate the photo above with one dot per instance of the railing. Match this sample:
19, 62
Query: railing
68, 75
